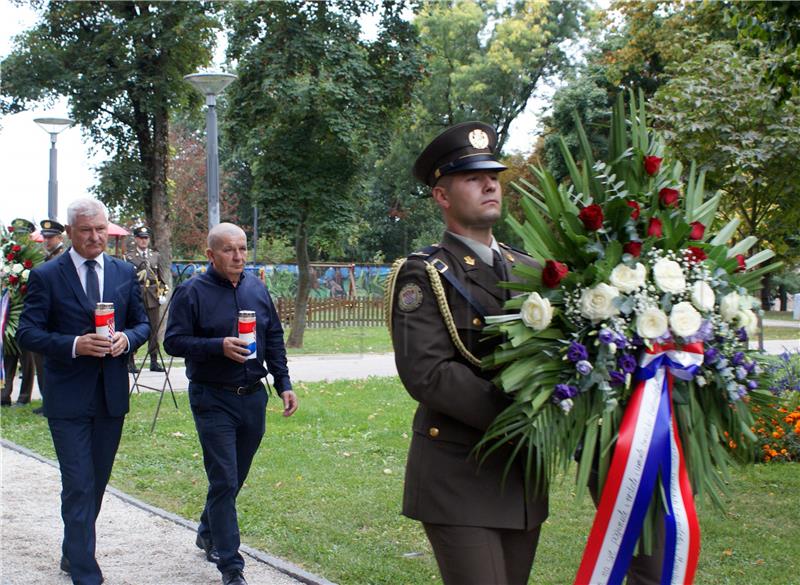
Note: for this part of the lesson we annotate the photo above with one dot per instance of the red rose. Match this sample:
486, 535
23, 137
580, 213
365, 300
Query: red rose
10, 229
695, 255
592, 217
23, 289
10, 256
635, 206
27, 264
652, 164
654, 229
740, 260
13, 278
669, 197
16, 248
698, 229
553, 273
633, 248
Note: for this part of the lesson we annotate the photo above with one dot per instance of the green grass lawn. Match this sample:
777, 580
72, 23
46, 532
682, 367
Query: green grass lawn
781, 333
326, 486
779, 315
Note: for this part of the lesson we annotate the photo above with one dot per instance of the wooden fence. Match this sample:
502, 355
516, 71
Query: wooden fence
330, 313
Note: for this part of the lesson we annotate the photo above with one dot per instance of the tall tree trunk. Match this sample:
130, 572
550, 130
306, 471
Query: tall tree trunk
159, 202
766, 292
303, 288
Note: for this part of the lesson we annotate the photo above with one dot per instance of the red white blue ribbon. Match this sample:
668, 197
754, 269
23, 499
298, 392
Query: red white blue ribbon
648, 443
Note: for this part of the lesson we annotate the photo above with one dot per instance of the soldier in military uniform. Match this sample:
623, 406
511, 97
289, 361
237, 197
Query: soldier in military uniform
28, 362
53, 234
483, 529
154, 289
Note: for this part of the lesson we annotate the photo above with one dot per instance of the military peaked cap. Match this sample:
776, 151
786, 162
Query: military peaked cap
23, 226
468, 146
51, 227
141, 231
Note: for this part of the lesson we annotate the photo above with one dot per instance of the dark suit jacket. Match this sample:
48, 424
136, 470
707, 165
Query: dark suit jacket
457, 400
57, 310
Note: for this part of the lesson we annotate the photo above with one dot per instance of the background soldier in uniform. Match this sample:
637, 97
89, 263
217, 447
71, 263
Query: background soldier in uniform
482, 531
153, 289
53, 234
27, 360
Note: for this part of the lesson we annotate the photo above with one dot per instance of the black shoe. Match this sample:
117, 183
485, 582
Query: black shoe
212, 556
39, 411
4, 403
234, 577
64, 565
133, 370
156, 367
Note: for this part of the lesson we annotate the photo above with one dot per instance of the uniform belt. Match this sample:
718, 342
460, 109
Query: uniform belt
241, 390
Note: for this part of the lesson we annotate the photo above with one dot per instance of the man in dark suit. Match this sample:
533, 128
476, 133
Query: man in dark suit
483, 529
153, 282
86, 396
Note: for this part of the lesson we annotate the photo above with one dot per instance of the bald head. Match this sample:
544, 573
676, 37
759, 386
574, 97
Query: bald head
227, 250
221, 231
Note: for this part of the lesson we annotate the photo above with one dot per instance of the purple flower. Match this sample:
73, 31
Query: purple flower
749, 366
741, 334
711, 355
577, 352
583, 367
627, 363
616, 378
705, 333
607, 336
564, 391
752, 384
741, 373
738, 358
621, 340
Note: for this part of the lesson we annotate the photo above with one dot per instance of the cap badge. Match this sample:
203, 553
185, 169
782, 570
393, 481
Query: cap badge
509, 257
46, 225
478, 139
469, 260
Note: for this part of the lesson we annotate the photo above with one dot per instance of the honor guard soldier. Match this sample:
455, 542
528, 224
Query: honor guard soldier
27, 361
482, 524
53, 234
154, 290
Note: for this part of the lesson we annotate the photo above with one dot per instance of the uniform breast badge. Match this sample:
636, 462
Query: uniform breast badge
469, 260
409, 298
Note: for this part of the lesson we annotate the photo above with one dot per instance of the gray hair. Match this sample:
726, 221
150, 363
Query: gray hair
221, 230
85, 207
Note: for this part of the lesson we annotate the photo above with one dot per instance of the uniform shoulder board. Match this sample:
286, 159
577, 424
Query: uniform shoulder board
425, 252
513, 248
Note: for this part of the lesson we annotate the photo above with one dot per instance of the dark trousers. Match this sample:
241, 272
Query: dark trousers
30, 363
85, 447
153, 315
230, 428
470, 555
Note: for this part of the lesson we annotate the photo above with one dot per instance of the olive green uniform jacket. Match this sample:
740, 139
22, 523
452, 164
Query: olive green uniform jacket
445, 483
149, 274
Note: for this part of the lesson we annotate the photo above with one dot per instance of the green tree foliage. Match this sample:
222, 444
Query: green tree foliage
718, 109
484, 61
121, 66
314, 98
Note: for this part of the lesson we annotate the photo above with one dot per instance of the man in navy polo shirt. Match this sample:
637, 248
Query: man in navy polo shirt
226, 391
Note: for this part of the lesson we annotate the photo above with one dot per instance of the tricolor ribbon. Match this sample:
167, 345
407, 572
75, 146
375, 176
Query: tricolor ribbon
5, 302
648, 442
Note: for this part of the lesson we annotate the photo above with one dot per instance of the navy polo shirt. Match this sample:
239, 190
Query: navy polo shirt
204, 310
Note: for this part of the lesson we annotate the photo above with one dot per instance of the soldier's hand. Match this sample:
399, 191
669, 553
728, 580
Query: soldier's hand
235, 349
93, 345
119, 344
290, 403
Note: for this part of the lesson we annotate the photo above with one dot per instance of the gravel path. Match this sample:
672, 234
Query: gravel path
134, 546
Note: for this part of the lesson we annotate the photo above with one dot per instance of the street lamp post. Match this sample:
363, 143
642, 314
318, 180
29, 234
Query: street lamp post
53, 126
211, 85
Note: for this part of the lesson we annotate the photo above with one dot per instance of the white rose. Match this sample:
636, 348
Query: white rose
598, 303
729, 306
747, 319
25, 274
684, 320
669, 276
652, 323
703, 296
17, 268
628, 279
536, 312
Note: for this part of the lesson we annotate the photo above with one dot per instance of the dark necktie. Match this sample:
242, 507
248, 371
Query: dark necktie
92, 283
499, 266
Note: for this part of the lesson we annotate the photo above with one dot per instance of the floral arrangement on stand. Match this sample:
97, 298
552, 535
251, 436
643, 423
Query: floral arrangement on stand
19, 256
630, 346
777, 425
